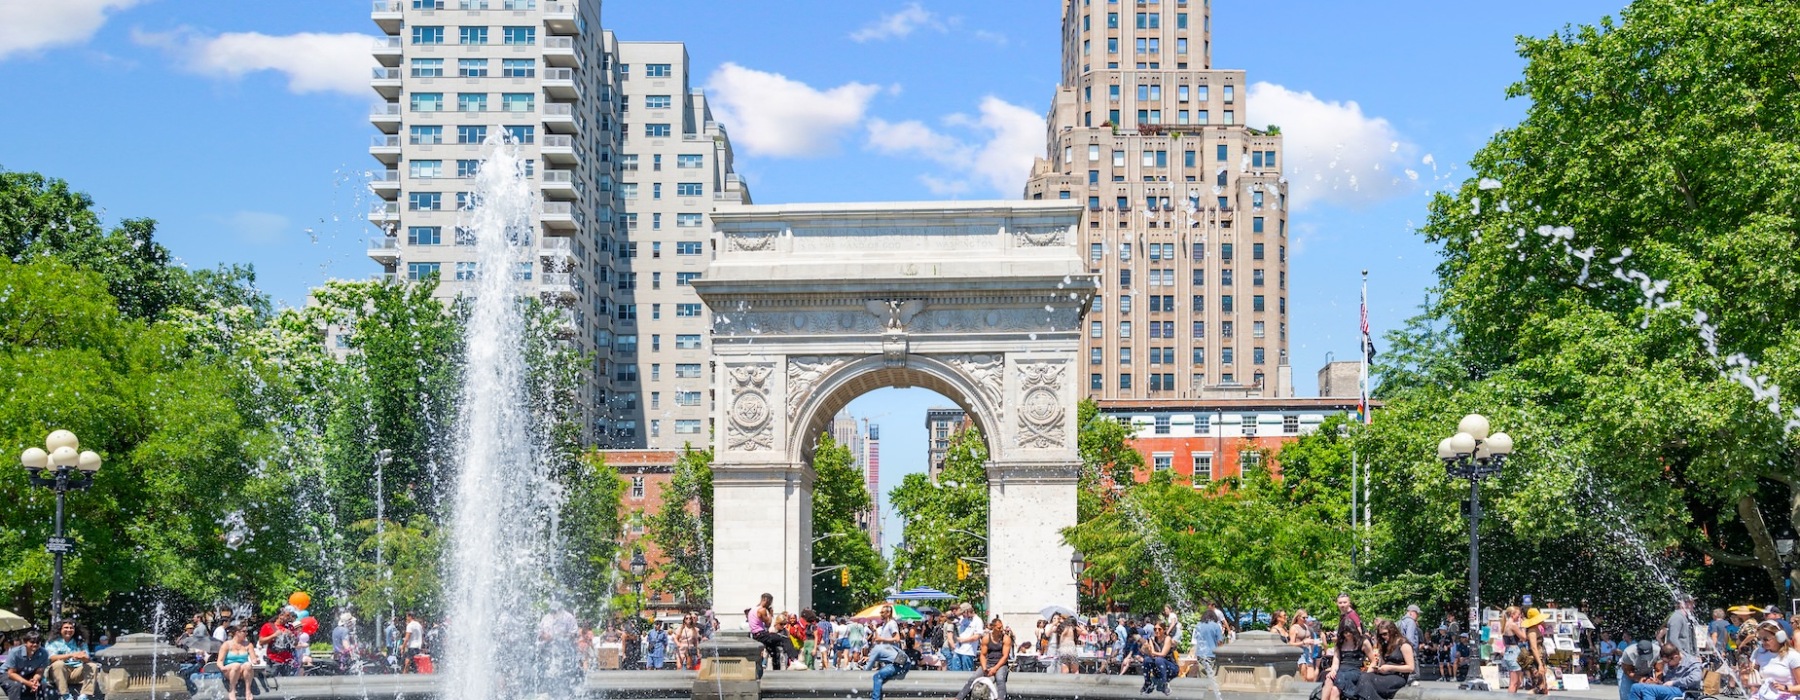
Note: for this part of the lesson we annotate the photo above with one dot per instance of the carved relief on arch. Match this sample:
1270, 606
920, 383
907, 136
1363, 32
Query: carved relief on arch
1041, 409
749, 422
985, 371
804, 373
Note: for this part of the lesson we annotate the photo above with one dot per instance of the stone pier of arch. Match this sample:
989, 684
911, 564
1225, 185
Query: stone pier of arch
816, 304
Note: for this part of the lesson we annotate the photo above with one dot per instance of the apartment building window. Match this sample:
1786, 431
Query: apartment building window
471, 102
1199, 357
464, 236
625, 312
1125, 303
1226, 277
427, 36
659, 70
689, 189
521, 133
1227, 356
1256, 302
690, 161
1225, 303
689, 247
656, 222
518, 102
426, 168
1096, 382
655, 280
1125, 381
1124, 356
687, 398
519, 4
1162, 428
1256, 329
655, 315
1203, 116
1203, 472
1162, 461
626, 373
1256, 277
428, 102
517, 67
471, 135
687, 371
1199, 302
1256, 251
1124, 329
1256, 356
467, 167
471, 36
628, 191
1095, 330
685, 279
687, 427
1095, 356
424, 235
420, 270
656, 130
1227, 329
425, 201
1112, 20
687, 311
523, 270
520, 36
687, 342
627, 344
1230, 117
428, 68
657, 101
465, 271
1225, 252
428, 4
1124, 279
1199, 329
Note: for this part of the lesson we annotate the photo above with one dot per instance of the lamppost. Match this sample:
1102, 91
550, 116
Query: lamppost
68, 470
637, 577
1474, 455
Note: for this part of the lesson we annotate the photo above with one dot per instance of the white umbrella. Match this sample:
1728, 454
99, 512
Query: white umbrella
1051, 611
11, 622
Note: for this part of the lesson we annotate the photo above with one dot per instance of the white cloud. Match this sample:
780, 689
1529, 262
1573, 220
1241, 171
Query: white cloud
1003, 141
312, 62
898, 25
30, 25
256, 227
1335, 153
996, 38
773, 115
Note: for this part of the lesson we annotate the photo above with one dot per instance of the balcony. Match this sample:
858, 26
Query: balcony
385, 183
559, 183
559, 117
386, 82
558, 149
384, 250
560, 83
386, 117
559, 216
382, 213
559, 251
559, 51
387, 15
559, 286
561, 18
387, 51
564, 323
385, 148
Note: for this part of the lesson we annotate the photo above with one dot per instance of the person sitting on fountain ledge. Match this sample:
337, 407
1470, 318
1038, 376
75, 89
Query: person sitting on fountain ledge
22, 671
762, 621
70, 663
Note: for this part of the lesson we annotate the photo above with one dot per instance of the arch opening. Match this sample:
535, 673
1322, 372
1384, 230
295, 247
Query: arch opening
861, 377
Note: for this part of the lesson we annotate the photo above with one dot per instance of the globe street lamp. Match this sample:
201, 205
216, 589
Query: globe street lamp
1473, 454
637, 575
60, 468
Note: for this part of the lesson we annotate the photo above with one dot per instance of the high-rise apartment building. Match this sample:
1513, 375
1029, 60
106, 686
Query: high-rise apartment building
625, 194
456, 75
941, 426
675, 165
871, 519
1186, 217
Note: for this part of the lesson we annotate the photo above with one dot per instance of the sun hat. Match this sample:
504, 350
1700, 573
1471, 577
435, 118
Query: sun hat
1533, 618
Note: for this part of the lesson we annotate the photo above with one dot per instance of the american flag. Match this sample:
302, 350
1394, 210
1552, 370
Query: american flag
1368, 346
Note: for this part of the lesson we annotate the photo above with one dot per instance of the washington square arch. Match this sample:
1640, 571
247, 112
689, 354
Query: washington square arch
816, 304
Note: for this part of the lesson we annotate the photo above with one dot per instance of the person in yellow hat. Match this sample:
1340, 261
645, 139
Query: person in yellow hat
1533, 658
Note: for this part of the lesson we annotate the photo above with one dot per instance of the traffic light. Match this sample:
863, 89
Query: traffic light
844, 577
962, 570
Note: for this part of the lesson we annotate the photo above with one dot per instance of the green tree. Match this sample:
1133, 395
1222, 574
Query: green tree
591, 527
683, 529
839, 497
938, 518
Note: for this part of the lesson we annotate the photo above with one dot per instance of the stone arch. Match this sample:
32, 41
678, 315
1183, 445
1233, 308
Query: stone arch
853, 379
815, 304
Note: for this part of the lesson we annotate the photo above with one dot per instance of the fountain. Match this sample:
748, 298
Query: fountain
500, 541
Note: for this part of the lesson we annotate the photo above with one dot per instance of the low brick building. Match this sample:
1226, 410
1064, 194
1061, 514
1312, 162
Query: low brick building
1204, 440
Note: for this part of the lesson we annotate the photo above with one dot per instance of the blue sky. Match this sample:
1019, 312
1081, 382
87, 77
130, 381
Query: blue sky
242, 127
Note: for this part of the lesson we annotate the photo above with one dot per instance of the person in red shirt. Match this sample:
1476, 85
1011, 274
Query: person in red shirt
278, 637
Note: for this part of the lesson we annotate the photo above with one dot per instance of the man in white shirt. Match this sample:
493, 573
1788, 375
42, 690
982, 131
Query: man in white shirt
968, 634
414, 642
885, 640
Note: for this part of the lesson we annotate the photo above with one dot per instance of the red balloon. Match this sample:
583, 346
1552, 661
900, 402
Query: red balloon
310, 626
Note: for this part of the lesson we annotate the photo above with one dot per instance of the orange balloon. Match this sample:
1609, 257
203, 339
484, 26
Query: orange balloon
299, 600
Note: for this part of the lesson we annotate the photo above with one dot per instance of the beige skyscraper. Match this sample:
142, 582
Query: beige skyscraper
676, 164
1186, 217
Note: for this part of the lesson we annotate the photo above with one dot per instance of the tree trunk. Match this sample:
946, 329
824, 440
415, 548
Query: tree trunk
1766, 556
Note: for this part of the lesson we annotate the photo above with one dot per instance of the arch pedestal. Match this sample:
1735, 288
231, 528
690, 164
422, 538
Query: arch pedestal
814, 305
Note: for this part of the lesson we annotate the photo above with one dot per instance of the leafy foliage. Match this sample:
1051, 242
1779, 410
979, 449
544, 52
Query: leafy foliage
683, 529
935, 513
839, 496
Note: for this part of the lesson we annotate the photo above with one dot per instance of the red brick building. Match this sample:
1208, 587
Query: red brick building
1203, 440
646, 474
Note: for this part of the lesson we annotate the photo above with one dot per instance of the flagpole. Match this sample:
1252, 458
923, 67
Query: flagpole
1367, 414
